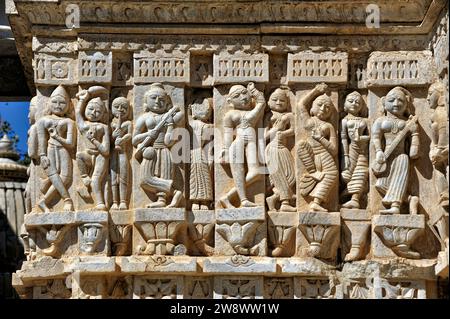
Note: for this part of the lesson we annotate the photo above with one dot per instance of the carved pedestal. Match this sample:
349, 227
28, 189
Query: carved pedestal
392, 236
318, 235
355, 233
201, 225
156, 231
241, 231
281, 230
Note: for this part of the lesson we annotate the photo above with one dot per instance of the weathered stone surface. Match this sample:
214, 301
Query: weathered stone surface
230, 161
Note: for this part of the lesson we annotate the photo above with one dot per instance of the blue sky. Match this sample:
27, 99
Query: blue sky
16, 113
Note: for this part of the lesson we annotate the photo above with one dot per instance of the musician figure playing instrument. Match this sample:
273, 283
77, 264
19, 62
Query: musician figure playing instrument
398, 129
153, 139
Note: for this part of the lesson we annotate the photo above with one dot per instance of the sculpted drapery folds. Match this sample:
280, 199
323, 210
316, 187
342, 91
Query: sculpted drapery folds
318, 151
355, 144
247, 108
91, 112
398, 131
56, 139
279, 127
153, 139
120, 163
201, 188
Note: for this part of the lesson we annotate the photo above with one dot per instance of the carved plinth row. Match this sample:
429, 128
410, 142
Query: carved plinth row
226, 232
175, 277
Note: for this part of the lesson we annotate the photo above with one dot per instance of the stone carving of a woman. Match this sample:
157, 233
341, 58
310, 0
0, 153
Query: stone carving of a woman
201, 188
121, 141
279, 127
57, 139
355, 144
93, 162
318, 151
398, 131
243, 117
153, 138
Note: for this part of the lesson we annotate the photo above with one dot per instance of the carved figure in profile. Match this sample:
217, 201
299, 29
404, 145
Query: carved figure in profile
355, 144
91, 112
279, 127
153, 138
33, 153
121, 140
201, 189
56, 139
439, 141
318, 151
247, 108
398, 131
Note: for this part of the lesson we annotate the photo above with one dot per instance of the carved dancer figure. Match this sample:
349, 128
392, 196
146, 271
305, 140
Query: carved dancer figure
279, 126
243, 117
439, 141
355, 138
93, 162
394, 129
56, 139
121, 139
153, 139
319, 150
201, 189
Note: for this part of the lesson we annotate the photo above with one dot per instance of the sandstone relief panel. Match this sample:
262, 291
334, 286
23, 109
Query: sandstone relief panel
236, 166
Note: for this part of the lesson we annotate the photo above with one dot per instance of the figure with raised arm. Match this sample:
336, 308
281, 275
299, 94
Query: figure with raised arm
319, 150
247, 108
91, 113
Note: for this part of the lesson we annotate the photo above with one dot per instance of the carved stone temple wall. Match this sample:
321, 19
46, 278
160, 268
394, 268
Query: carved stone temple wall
235, 149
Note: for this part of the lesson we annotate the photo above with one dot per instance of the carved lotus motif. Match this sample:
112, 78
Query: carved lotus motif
159, 237
399, 239
240, 237
398, 235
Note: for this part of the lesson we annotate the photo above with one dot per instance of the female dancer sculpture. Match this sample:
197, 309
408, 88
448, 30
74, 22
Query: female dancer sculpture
244, 119
56, 138
319, 150
92, 162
